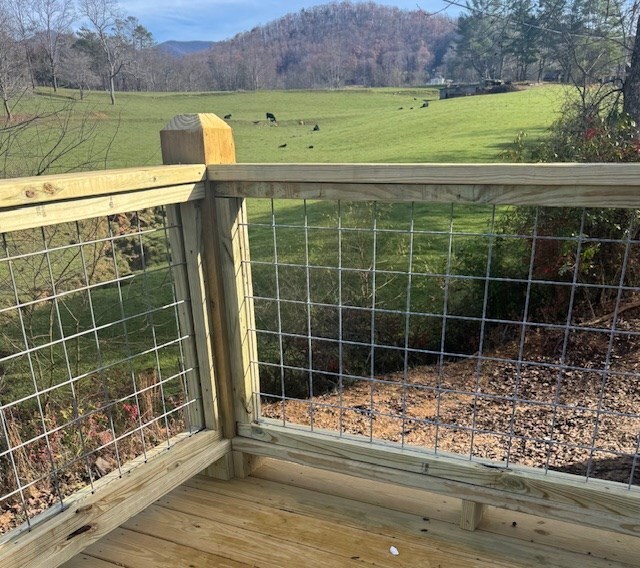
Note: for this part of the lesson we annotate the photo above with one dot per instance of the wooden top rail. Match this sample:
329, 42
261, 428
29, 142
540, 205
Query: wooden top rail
47, 200
18, 192
558, 185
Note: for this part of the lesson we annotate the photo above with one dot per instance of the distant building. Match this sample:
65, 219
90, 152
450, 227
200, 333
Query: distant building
459, 91
437, 80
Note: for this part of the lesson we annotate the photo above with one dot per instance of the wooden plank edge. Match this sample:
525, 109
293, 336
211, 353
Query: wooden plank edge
558, 174
90, 207
29, 191
471, 515
550, 195
595, 503
91, 515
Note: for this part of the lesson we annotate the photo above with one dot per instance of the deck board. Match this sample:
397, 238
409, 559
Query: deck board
508, 529
136, 550
292, 516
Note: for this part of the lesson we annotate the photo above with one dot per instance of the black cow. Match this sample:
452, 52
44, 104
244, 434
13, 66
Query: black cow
271, 117
316, 128
227, 116
425, 104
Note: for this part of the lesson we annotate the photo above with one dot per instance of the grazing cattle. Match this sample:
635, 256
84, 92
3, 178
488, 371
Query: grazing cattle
227, 116
425, 104
316, 128
301, 122
310, 147
271, 117
282, 146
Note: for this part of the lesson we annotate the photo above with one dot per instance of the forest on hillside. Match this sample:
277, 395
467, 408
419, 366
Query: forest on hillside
335, 45
94, 44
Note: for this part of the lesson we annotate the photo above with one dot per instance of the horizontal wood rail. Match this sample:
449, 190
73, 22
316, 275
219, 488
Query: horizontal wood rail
79, 209
89, 516
555, 495
26, 203
554, 185
26, 191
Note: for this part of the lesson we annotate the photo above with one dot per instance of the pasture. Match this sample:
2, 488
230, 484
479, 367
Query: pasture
356, 125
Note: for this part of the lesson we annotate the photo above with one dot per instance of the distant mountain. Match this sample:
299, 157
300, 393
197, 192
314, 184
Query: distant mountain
182, 48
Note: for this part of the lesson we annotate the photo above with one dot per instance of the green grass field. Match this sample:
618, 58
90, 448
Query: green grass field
357, 125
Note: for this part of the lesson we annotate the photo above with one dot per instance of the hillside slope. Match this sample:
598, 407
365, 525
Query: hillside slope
335, 45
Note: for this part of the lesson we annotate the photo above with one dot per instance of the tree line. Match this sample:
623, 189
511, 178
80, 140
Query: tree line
93, 44
568, 40
83, 44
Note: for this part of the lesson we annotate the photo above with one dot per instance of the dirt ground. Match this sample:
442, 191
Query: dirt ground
528, 414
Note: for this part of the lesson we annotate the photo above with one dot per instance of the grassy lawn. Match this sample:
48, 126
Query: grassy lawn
358, 125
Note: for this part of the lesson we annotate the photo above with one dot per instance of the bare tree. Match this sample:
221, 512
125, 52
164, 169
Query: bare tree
104, 16
12, 64
20, 13
52, 20
76, 71
631, 88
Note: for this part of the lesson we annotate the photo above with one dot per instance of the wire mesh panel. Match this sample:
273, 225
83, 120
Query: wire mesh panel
501, 333
91, 356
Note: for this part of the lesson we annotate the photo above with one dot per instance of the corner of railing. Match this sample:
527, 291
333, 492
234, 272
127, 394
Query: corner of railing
215, 238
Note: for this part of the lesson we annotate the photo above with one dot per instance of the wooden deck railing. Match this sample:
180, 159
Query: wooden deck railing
205, 194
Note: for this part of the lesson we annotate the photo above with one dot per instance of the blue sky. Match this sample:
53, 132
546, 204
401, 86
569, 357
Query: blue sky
213, 20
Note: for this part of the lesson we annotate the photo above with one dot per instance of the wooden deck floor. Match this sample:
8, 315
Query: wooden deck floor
290, 516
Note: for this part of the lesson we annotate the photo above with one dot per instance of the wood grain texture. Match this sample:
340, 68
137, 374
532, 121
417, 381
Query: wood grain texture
197, 139
225, 538
194, 139
28, 191
186, 314
558, 496
542, 195
245, 464
435, 174
115, 500
571, 185
222, 469
337, 543
373, 507
86, 561
234, 270
471, 514
315, 518
79, 209
550, 537
136, 550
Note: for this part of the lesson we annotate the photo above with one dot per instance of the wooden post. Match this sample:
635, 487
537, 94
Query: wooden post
216, 241
471, 515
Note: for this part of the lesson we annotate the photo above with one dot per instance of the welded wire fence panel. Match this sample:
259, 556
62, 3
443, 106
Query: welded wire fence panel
502, 333
91, 355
